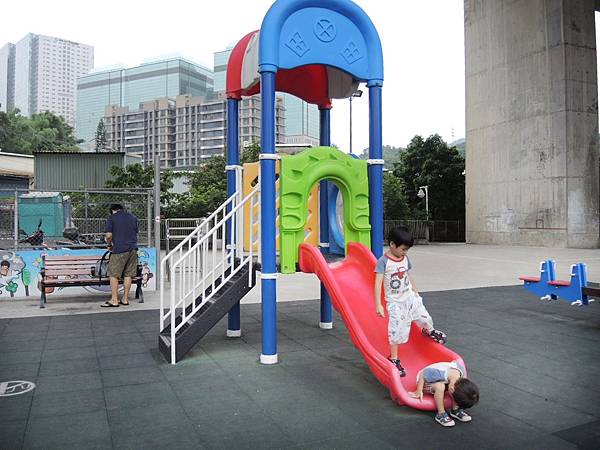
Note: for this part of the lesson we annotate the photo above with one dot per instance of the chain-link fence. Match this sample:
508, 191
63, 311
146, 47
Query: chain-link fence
68, 219
7, 216
432, 230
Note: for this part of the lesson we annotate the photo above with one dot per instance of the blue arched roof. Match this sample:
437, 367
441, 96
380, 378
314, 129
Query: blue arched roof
337, 33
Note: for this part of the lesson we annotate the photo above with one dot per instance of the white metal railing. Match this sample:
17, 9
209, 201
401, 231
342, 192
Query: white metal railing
203, 260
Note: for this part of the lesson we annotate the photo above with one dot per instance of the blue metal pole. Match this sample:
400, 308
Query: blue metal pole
267, 222
375, 171
324, 140
233, 160
326, 321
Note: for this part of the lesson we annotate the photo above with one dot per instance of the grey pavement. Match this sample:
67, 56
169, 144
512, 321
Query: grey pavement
101, 382
437, 267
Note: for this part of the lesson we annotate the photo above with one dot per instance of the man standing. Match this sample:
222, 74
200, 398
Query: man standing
121, 235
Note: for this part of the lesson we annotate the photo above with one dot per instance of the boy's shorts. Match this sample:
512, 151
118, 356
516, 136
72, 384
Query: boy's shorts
428, 388
431, 376
123, 264
401, 315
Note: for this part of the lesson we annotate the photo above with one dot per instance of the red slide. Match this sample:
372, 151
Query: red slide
350, 285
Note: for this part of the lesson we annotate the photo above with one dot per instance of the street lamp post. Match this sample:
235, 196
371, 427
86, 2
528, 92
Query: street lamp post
424, 192
358, 93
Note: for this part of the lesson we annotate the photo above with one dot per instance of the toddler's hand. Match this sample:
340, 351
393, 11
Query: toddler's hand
379, 310
416, 394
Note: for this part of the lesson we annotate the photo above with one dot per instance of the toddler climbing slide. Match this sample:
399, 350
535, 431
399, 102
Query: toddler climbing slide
350, 285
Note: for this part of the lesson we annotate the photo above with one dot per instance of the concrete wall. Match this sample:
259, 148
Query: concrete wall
531, 123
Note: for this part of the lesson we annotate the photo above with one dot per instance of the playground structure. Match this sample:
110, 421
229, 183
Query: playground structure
317, 51
577, 291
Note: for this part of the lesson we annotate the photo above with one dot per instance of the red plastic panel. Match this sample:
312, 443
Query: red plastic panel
310, 82
532, 279
559, 283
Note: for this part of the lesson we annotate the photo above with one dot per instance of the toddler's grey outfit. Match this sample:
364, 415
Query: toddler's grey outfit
403, 304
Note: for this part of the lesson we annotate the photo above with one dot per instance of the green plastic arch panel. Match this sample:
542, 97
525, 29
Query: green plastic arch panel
298, 174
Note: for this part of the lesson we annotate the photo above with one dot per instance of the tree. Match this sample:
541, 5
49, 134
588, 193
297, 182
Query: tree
250, 153
208, 185
100, 136
208, 189
391, 155
430, 162
136, 176
395, 203
26, 279
15, 132
40, 132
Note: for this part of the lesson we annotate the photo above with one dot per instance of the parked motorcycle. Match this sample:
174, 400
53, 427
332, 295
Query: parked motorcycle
35, 239
77, 239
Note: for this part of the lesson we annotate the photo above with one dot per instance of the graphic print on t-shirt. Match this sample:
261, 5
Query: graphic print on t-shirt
396, 280
396, 283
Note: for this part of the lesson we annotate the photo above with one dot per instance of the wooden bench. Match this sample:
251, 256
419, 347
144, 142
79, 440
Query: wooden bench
68, 271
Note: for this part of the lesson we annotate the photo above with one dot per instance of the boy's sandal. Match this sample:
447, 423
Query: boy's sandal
108, 304
123, 303
396, 362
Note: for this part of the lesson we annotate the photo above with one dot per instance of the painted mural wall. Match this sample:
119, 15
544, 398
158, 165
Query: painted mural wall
20, 271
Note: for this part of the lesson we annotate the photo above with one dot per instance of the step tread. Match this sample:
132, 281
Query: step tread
209, 315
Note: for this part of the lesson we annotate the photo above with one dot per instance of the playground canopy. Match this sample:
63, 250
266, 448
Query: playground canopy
313, 83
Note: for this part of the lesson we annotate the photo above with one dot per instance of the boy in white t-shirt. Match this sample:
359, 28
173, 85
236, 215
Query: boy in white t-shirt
404, 304
435, 378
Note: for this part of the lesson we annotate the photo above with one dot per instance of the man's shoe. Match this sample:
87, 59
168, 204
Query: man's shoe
396, 362
444, 420
460, 415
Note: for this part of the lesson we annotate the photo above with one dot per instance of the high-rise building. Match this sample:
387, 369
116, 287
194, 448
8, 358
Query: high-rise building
7, 77
184, 130
45, 74
301, 118
129, 87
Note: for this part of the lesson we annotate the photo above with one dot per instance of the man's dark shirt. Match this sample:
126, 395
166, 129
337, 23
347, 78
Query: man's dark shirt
124, 229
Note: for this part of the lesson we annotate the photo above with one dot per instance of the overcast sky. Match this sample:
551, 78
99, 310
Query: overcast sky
423, 50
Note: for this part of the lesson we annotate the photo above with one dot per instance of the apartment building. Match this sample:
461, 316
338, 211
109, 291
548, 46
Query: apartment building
185, 130
41, 73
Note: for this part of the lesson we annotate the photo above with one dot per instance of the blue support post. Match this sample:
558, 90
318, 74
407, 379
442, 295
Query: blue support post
326, 321
375, 170
267, 213
233, 160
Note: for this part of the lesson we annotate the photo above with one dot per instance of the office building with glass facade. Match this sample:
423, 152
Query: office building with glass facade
301, 118
130, 87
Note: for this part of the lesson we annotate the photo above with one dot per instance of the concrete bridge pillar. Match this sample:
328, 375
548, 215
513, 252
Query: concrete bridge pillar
532, 164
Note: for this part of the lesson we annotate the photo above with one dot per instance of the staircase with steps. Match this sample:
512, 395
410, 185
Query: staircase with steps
208, 273
208, 315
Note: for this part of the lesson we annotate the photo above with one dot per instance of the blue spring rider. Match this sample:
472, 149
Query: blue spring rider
547, 287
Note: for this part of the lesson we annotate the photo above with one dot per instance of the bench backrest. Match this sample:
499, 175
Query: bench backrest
69, 265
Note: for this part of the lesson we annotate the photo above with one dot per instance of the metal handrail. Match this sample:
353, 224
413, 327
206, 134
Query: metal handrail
189, 269
202, 224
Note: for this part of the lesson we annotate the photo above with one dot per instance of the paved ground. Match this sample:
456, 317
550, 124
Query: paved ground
437, 267
102, 384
